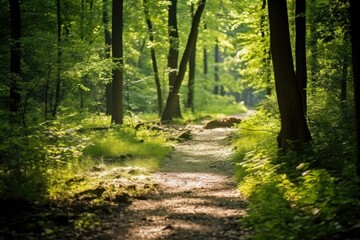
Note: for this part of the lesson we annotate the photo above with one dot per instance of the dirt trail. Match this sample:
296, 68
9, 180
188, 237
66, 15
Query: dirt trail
198, 197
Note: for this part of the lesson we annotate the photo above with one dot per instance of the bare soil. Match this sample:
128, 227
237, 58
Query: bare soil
197, 196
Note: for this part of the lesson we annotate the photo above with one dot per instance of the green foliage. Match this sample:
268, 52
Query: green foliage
33, 158
31, 154
72, 170
315, 194
37, 161
214, 104
86, 221
21, 166
146, 147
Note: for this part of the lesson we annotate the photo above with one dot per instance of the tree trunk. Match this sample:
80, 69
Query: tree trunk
46, 97
173, 54
15, 59
107, 39
58, 60
266, 58
168, 112
82, 19
153, 58
141, 50
354, 22
216, 68
313, 47
117, 53
82, 37
300, 50
294, 129
192, 65
344, 72
205, 59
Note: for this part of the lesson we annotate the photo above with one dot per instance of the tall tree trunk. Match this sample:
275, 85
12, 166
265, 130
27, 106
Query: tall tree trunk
82, 19
205, 57
192, 65
294, 129
300, 49
15, 59
47, 88
58, 61
313, 46
168, 112
153, 58
117, 53
354, 22
82, 37
216, 68
173, 54
266, 57
141, 50
107, 39
344, 72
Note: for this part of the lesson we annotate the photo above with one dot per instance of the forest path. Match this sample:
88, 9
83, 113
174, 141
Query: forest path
198, 198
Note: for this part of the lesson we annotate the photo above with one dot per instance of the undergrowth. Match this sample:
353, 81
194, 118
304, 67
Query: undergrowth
60, 149
292, 196
71, 171
216, 104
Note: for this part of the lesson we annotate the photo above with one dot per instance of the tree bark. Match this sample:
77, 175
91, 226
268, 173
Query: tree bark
205, 57
107, 39
173, 54
354, 27
344, 72
168, 112
266, 58
46, 95
141, 50
216, 68
15, 58
58, 60
117, 53
153, 58
192, 65
294, 129
82, 37
205, 60
313, 47
300, 50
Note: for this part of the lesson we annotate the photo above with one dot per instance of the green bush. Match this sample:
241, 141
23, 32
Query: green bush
34, 160
292, 196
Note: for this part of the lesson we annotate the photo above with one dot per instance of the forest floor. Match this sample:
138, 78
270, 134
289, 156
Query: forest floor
197, 196
193, 196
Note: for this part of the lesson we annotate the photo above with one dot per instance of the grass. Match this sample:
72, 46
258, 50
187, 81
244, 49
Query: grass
253, 133
144, 148
119, 147
114, 147
67, 179
77, 160
64, 152
289, 199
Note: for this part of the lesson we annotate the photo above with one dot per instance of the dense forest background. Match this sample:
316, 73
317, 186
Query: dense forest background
78, 77
70, 43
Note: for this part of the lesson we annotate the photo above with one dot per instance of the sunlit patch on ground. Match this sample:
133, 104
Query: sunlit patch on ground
198, 197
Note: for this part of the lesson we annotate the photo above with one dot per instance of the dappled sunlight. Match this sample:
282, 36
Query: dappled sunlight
177, 182
197, 193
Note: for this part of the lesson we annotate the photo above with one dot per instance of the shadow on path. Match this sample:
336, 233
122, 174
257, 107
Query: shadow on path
197, 199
